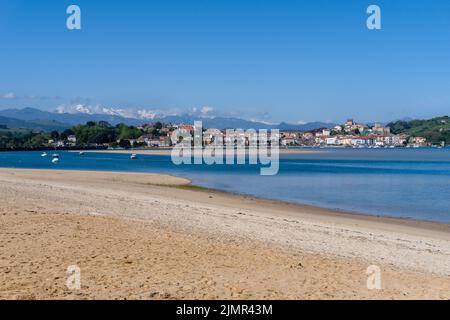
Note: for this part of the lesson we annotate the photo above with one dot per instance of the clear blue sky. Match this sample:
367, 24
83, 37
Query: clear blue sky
268, 60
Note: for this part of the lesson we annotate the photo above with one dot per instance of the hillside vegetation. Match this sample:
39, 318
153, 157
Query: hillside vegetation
38, 125
434, 130
92, 133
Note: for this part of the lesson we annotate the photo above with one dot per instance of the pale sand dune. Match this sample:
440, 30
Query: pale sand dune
134, 238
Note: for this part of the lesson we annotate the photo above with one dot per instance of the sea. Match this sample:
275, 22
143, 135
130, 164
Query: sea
402, 183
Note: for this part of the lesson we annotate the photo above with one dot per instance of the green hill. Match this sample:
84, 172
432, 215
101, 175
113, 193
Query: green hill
37, 125
434, 130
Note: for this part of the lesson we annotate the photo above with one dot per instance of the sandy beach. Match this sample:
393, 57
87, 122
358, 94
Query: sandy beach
148, 236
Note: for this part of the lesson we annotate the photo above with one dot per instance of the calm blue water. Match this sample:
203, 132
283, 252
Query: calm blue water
406, 183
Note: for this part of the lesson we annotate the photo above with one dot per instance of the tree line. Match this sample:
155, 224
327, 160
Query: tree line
91, 133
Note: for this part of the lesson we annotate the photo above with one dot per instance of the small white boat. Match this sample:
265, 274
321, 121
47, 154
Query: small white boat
81, 153
55, 160
55, 156
133, 156
44, 154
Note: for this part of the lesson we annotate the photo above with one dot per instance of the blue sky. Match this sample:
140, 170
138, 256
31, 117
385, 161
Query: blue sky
273, 60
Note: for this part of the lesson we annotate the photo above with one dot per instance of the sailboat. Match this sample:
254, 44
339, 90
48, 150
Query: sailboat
55, 157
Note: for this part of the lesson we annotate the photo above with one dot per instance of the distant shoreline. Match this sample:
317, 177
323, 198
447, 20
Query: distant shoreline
167, 152
75, 148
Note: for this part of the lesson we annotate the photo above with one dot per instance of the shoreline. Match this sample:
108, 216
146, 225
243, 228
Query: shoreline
167, 152
184, 184
331, 212
157, 236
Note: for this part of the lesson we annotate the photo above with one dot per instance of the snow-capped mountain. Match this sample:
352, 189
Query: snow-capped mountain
99, 109
80, 114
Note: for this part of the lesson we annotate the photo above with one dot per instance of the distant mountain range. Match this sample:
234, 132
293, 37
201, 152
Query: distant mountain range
68, 119
32, 118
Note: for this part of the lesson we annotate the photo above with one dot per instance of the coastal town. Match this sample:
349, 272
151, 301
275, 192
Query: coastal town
350, 134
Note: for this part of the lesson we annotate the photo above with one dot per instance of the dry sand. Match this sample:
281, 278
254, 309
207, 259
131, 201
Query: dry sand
154, 237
